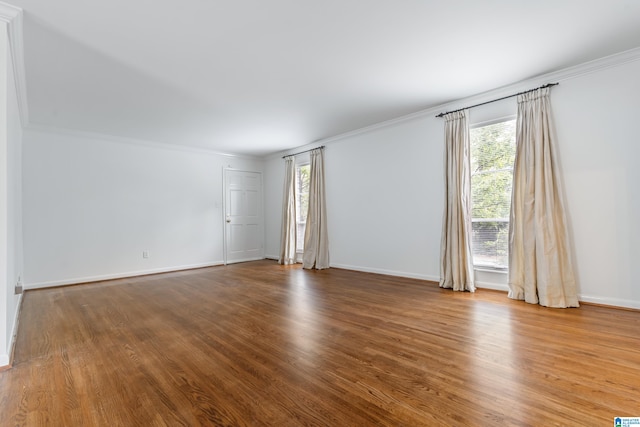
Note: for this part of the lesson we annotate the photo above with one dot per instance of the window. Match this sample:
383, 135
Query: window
302, 203
493, 151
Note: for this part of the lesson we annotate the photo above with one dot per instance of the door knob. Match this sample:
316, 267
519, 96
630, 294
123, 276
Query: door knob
228, 218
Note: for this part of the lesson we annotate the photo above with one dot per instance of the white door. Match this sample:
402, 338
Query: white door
244, 236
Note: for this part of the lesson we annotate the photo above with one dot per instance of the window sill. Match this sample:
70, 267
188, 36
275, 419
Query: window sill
491, 270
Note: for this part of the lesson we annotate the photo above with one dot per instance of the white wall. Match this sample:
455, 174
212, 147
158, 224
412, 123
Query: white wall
11, 262
597, 125
273, 188
4, 199
92, 205
384, 192
384, 186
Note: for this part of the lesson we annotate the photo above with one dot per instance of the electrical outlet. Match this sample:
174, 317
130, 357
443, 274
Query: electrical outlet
18, 289
145, 254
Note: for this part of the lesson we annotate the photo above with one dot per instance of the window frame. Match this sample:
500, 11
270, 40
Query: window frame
476, 125
300, 161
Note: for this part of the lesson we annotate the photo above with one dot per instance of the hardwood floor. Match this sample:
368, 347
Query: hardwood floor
263, 344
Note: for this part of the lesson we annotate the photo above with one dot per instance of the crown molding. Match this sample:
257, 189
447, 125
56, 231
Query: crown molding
78, 134
589, 67
564, 74
9, 12
12, 16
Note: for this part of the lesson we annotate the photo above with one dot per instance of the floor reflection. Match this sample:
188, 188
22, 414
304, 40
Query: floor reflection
303, 315
493, 362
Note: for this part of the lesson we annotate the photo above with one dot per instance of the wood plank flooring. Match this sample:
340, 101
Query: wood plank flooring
259, 344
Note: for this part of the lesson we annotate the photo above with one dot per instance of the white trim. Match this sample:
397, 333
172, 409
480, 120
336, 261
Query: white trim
605, 301
589, 67
494, 286
554, 76
5, 359
9, 12
100, 278
245, 260
12, 16
388, 272
302, 160
495, 121
612, 302
225, 233
14, 331
610, 61
273, 257
485, 269
72, 133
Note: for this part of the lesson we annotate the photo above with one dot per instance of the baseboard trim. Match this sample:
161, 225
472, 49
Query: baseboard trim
99, 278
616, 303
610, 302
387, 272
601, 301
431, 278
6, 360
245, 260
14, 330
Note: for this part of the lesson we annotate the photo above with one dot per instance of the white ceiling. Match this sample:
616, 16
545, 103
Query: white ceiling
257, 76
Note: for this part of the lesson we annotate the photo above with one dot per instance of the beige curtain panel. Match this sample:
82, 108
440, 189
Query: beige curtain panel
316, 236
456, 262
540, 265
288, 239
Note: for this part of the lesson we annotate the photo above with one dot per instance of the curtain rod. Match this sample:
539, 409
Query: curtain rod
302, 152
500, 99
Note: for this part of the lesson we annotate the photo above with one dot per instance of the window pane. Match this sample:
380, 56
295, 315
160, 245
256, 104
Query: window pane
302, 203
300, 227
491, 194
492, 158
493, 147
302, 192
490, 243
